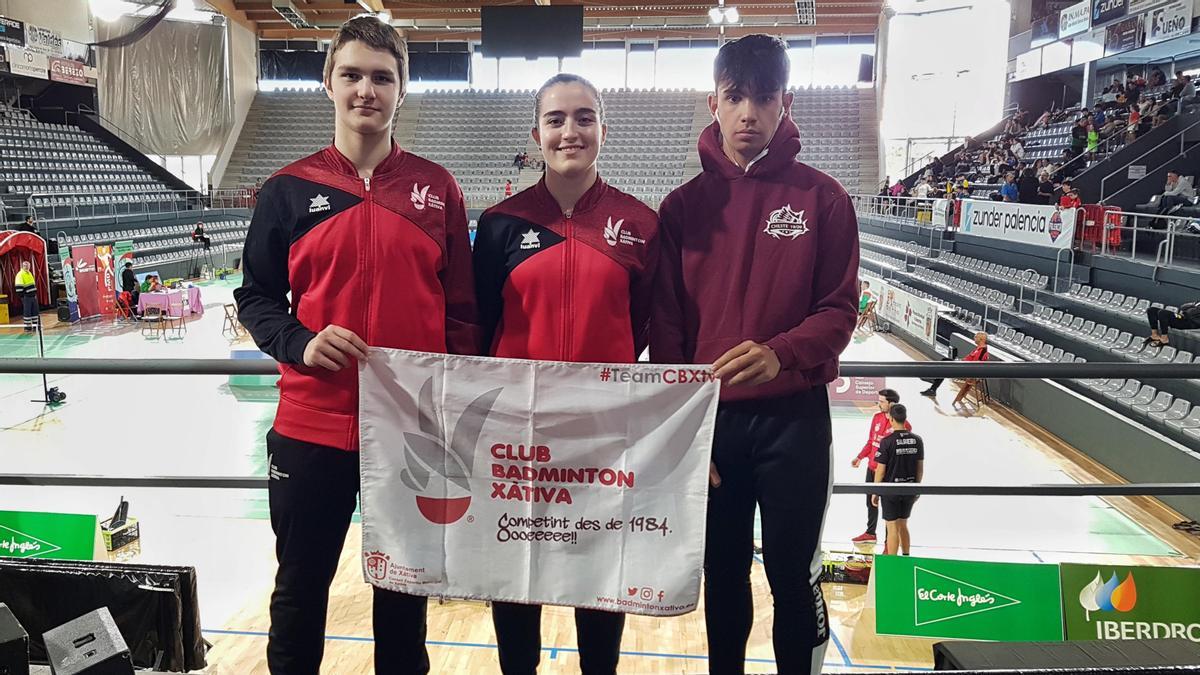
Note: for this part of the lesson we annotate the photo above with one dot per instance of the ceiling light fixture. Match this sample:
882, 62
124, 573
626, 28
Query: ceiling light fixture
722, 14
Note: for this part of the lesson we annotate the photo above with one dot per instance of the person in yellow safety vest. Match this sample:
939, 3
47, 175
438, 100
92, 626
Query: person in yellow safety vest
26, 289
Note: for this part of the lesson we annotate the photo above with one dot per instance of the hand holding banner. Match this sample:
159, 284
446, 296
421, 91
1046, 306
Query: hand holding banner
533, 481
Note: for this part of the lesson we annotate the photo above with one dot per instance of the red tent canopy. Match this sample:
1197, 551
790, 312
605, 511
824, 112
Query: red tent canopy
15, 248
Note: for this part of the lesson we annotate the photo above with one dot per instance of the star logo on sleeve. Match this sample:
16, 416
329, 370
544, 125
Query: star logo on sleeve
530, 240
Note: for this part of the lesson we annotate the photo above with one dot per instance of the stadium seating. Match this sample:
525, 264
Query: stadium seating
477, 134
1115, 329
170, 243
71, 172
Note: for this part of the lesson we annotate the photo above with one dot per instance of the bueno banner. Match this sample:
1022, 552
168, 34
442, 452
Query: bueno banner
560, 483
1048, 226
1168, 22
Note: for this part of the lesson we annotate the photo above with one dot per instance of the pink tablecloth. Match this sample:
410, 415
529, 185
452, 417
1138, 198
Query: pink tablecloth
172, 302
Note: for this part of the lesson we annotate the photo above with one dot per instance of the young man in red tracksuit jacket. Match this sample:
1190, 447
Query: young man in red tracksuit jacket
759, 277
881, 426
372, 244
565, 272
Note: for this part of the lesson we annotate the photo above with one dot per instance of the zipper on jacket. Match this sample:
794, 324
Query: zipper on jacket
367, 264
569, 286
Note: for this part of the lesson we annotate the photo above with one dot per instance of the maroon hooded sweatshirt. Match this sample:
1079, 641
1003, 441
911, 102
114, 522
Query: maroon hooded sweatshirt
769, 254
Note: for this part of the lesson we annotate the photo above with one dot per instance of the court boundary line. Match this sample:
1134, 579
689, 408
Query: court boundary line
556, 649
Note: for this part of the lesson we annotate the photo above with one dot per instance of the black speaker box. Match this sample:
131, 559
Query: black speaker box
89, 645
14, 644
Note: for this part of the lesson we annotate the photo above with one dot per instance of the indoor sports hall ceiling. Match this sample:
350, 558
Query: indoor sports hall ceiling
432, 20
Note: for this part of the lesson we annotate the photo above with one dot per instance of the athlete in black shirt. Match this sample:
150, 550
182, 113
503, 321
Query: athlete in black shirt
900, 459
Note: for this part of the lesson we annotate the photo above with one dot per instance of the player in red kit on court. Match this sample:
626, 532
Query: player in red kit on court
881, 426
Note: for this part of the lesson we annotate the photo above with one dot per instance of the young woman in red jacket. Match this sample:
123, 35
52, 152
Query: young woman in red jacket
564, 272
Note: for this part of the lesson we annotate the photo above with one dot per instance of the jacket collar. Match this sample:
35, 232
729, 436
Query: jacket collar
780, 152
344, 166
586, 202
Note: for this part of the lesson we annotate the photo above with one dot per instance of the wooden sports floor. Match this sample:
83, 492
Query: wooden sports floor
200, 426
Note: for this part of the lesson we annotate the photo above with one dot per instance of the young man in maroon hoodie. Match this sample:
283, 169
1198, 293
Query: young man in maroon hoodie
371, 243
759, 277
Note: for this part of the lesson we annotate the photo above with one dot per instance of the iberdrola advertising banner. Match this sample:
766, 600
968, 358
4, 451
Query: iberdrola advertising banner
532, 481
1117, 602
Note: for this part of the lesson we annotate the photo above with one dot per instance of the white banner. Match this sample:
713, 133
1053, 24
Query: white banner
1169, 22
1075, 19
27, 62
43, 40
535, 481
1024, 223
1029, 65
910, 313
1139, 6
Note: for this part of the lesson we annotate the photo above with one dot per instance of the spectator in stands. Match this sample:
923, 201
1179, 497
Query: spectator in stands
1009, 191
900, 459
1079, 136
773, 346
518, 316
1157, 77
154, 284
1187, 95
199, 236
1098, 117
1162, 320
1176, 193
1070, 198
426, 303
1178, 83
937, 168
880, 428
922, 188
508, 190
25, 287
1045, 189
27, 226
1017, 150
1027, 187
1093, 141
898, 189
519, 160
1043, 121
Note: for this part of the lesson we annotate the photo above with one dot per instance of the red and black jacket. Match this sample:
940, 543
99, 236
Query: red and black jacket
560, 288
387, 258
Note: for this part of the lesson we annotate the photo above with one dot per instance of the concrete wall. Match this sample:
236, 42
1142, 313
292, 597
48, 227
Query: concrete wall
243, 71
72, 18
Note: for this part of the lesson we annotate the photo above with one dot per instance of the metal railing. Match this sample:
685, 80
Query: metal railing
936, 369
917, 212
1174, 240
77, 206
1181, 135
